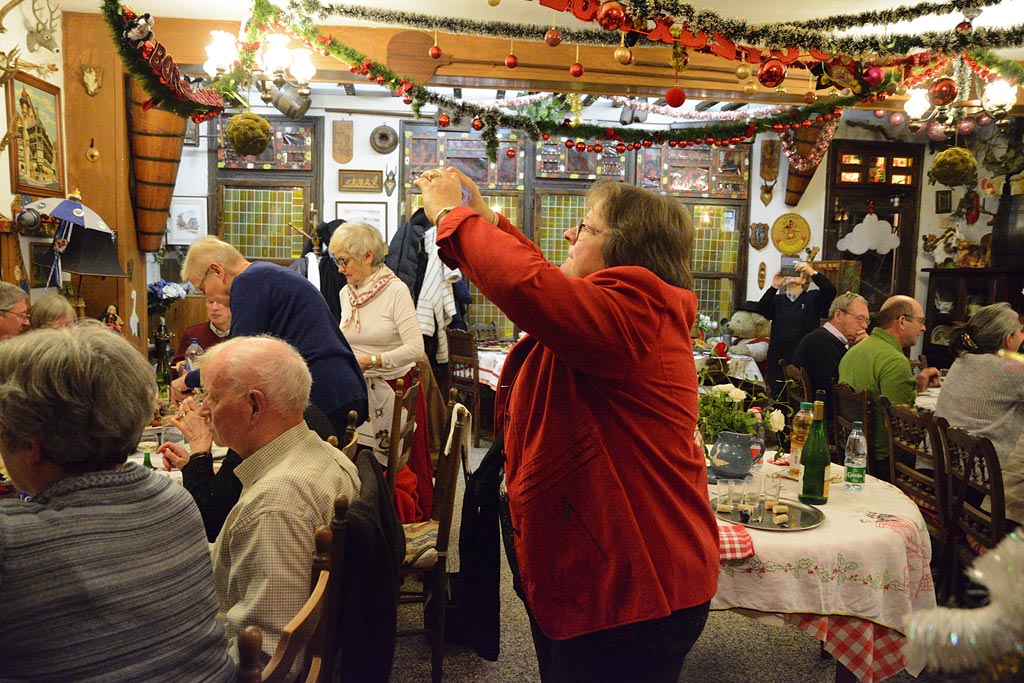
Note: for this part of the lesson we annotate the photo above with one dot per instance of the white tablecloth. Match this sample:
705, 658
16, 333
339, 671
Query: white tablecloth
491, 363
868, 559
928, 399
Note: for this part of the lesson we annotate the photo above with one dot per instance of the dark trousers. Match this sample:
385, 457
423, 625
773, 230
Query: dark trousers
646, 652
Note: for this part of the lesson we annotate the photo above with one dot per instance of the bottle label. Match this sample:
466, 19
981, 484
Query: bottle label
794, 461
828, 479
854, 475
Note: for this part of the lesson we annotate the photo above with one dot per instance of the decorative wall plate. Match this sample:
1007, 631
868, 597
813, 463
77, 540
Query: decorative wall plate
383, 139
790, 233
758, 235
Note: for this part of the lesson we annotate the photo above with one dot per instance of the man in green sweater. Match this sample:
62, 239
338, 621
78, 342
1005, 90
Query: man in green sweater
879, 365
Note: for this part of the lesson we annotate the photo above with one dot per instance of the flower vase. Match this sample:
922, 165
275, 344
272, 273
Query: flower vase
730, 455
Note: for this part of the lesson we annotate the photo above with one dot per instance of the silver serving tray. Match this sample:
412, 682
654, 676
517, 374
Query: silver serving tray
801, 517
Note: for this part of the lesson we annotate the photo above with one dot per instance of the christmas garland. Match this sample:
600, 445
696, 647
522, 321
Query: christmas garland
816, 34
642, 105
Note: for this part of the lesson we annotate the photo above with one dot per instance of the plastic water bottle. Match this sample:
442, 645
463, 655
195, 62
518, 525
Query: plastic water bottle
856, 458
192, 354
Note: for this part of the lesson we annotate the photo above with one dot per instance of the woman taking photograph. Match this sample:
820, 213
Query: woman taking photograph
378, 318
616, 544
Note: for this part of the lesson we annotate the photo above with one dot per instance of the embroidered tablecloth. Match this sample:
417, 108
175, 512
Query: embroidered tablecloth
849, 582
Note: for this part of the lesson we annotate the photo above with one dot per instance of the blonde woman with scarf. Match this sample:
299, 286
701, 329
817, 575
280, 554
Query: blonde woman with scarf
378, 317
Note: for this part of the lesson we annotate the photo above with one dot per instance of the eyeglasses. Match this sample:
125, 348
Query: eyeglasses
24, 316
342, 261
583, 227
199, 287
920, 319
858, 318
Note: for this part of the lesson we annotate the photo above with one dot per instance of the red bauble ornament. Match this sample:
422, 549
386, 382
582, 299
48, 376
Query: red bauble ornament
381, 80
771, 73
510, 153
434, 52
873, 76
569, 144
545, 136
942, 91
511, 61
620, 148
675, 96
647, 144
444, 120
964, 27
581, 146
598, 147
611, 16
477, 124
966, 126
810, 97
897, 118
407, 99
553, 37
576, 70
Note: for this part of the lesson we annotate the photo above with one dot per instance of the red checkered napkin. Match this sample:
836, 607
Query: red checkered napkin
734, 542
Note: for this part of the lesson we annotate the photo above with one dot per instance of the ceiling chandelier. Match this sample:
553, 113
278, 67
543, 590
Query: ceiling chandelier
268, 65
958, 99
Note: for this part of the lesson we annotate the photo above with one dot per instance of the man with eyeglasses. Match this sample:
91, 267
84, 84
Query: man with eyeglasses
14, 317
879, 365
821, 350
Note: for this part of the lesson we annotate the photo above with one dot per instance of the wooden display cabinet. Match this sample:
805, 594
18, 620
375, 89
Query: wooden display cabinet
954, 294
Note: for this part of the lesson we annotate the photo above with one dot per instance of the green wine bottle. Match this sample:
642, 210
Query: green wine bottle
815, 460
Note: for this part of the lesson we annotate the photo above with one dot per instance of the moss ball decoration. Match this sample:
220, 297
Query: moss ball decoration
248, 133
954, 166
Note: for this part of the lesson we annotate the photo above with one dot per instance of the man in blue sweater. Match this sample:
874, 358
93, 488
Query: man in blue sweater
266, 298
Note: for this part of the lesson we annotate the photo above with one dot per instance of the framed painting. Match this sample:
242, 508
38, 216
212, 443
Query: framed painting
360, 181
37, 142
943, 201
41, 264
374, 213
187, 220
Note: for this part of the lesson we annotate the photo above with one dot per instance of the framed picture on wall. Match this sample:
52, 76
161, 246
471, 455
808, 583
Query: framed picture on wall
374, 213
37, 144
187, 220
943, 201
191, 133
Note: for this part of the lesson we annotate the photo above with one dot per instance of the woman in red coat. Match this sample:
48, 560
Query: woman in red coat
616, 543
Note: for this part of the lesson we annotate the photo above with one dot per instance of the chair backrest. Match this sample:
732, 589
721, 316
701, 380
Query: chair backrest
463, 363
446, 475
976, 483
914, 436
798, 384
485, 331
351, 438
400, 443
849, 406
313, 630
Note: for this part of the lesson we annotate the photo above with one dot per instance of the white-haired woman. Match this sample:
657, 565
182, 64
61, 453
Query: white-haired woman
378, 317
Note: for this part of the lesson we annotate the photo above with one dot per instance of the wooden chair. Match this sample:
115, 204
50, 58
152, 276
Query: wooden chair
400, 441
485, 331
464, 373
351, 438
849, 406
978, 506
915, 442
426, 554
313, 630
798, 384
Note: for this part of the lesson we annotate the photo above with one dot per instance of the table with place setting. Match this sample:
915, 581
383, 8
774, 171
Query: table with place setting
153, 437
847, 572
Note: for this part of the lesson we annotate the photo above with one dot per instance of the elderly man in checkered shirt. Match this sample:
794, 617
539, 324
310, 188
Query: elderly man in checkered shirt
255, 391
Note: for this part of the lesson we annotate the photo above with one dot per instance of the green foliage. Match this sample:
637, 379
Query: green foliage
554, 110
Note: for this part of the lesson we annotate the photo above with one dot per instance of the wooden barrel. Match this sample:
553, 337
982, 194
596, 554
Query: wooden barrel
805, 139
155, 138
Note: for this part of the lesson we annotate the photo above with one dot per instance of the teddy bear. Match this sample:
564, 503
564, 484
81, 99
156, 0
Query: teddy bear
750, 331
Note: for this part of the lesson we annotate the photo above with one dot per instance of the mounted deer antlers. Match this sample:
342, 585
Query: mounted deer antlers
42, 33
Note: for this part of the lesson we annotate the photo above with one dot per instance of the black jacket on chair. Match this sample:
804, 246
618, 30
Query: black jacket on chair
374, 550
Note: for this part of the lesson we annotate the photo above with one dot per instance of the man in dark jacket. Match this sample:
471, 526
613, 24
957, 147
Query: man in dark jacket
794, 311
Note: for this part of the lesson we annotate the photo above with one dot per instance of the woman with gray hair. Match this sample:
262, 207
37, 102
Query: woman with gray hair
126, 546
52, 310
984, 393
378, 318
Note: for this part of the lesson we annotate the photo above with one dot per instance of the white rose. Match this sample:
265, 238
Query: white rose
722, 388
736, 395
776, 421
